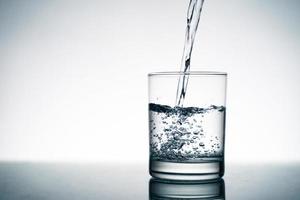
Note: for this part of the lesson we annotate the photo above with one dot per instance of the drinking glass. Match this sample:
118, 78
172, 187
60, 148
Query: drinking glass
187, 141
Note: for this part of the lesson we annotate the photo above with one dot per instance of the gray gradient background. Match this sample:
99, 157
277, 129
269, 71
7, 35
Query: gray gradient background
73, 75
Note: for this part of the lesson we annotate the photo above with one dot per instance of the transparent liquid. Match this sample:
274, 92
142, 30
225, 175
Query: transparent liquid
193, 18
186, 141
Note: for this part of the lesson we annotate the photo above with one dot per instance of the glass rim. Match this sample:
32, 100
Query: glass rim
197, 73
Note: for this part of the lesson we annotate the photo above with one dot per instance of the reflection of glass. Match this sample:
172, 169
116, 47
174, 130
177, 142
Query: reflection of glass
163, 190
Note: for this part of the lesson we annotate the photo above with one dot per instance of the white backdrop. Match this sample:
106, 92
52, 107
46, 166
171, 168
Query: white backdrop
73, 83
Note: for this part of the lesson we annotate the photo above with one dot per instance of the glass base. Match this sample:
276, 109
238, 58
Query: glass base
200, 171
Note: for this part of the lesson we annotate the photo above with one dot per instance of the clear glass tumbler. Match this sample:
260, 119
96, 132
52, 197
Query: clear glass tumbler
187, 142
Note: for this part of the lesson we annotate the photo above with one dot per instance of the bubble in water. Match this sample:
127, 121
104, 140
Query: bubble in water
196, 132
176, 140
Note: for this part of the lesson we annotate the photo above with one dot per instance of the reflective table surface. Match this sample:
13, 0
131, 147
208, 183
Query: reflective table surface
132, 181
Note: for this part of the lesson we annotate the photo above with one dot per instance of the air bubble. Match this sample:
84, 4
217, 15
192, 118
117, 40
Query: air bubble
196, 132
182, 129
201, 144
181, 145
